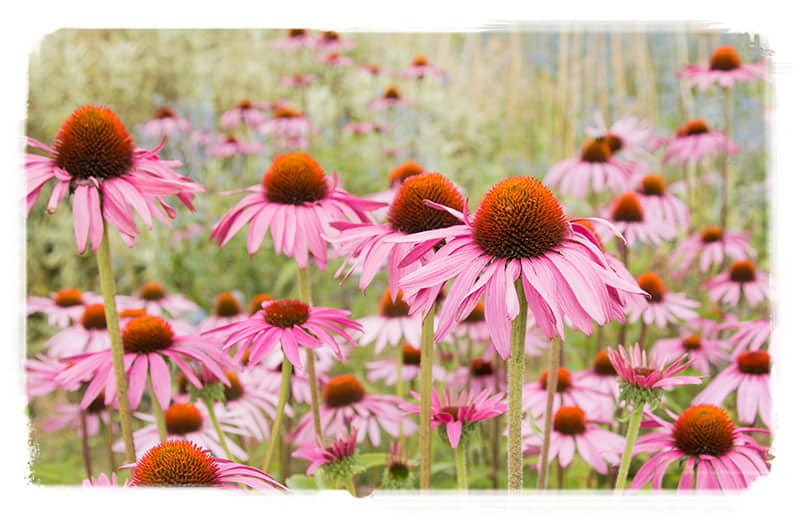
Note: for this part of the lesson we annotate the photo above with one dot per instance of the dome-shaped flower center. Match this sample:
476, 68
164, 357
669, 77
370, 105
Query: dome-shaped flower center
409, 213
704, 429
564, 380
615, 142
725, 58
152, 292
477, 315
627, 208
653, 185
175, 463
398, 471
93, 142
396, 308
146, 334
743, 272
693, 127
653, 285
596, 150
227, 305
286, 112
286, 313
602, 364
519, 218
297, 33
711, 234
183, 418
754, 363
295, 178
164, 112
400, 173
481, 368
392, 93
330, 36
255, 303
692, 343
94, 317
420, 60
570, 421
411, 355
342, 391
244, 104
68, 297
236, 390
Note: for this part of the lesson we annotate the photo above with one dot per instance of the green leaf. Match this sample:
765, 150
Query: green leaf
374, 459
301, 482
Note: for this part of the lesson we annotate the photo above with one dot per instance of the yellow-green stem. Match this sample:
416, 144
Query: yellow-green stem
304, 283
630, 439
460, 453
87, 456
220, 434
426, 386
516, 376
399, 390
552, 380
275, 431
158, 412
112, 322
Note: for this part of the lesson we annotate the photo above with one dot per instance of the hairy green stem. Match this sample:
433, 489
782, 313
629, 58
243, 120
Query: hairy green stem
426, 386
112, 322
220, 434
516, 376
460, 453
630, 439
286, 378
552, 380
304, 283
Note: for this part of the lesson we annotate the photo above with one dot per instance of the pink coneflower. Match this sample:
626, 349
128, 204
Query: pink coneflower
293, 40
572, 429
392, 324
89, 334
741, 279
226, 310
335, 60
372, 70
342, 450
628, 138
658, 202
298, 81
398, 473
346, 404
662, 306
638, 371
249, 399
694, 141
191, 422
628, 215
95, 160
288, 125
41, 372
386, 371
391, 98
702, 351
230, 146
155, 300
397, 176
332, 42
297, 202
165, 123
715, 453
749, 377
725, 68
749, 334
63, 306
459, 412
287, 325
478, 375
147, 341
712, 245
519, 232
299, 385
570, 391
595, 166
181, 463
601, 377
420, 68
245, 113
69, 416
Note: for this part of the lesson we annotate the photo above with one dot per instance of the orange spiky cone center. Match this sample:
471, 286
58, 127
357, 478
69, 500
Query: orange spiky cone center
704, 429
295, 178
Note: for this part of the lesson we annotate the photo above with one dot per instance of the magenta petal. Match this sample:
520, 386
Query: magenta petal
454, 433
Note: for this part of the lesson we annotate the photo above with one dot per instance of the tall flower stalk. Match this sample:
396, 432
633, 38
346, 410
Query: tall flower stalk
304, 283
516, 376
426, 387
286, 378
552, 381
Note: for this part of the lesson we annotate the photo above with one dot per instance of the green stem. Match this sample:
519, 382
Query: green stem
109, 439
552, 380
726, 123
220, 434
286, 378
516, 376
350, 486
399, 390
630, 439
158, 412
112, 323
304, 283
87, 456
460, 453
426, 386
